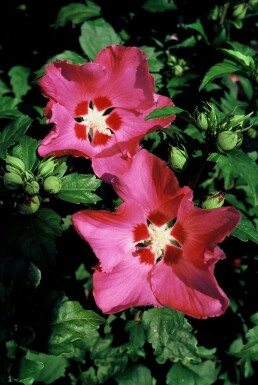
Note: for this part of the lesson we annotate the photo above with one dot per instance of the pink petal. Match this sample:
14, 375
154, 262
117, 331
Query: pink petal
186, 288
70, 84
110, 234
198, 229
130, 82
67, 136
127, 285
150, 182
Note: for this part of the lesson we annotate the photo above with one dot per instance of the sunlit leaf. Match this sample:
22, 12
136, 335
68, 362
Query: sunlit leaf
245, 231
170, 335
19, 79
96, 35
79, 188
77, 13
70, 322
204, 373
216, 71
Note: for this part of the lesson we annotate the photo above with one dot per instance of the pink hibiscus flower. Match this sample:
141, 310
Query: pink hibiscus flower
98, 109
157, 248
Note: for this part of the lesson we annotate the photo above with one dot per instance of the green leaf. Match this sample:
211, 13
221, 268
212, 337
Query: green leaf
26, 150
204, 373
245, 231
19, 79
4, 89
197, 26
53, 367
159, 5
248, 170
137, 339
78, 188
70, 322
170, 335
244, 60
155, 64
96, 35
216, 71
28, 369
166, 112
136, 374
12, 133
76, 13
35, 236
8, 107
250, 349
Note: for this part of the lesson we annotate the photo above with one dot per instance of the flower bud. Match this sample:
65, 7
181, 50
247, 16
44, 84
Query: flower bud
202, 121
15, 165
46, 168
52, 185
178, 70
178, 158
214, 201
12, 181
31, 187
30, 205
239, 11
228, 140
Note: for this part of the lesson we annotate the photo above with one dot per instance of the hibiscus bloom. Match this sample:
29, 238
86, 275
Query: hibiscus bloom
98, 108
157, 248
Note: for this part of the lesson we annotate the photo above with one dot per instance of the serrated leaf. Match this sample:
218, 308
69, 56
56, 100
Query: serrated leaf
216, 71
96, 35
248, 170
26, 150
53, 366
78, 188
245, 231
136, 374
250, 349
76, 13
19, 79
8, 107
70, 322
170, 335
12, 133
204, 373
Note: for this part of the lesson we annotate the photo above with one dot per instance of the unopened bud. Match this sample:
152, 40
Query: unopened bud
239, 11
52, 185
30, 205
178, 158
178, 70
46, 168
15, 165
12, 181
214, 201
202, 121
228, 140
31, 188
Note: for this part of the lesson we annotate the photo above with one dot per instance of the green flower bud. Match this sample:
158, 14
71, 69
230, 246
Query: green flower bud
202, 121
213, 120
30, 205
239, 11
178, 158
46, 168
12, 181
228, 140
213, 201
178, 70
52, 185
31, 187
15, 165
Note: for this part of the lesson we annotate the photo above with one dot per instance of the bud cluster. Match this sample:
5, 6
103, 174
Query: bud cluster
179, 66
29, 189
226, 131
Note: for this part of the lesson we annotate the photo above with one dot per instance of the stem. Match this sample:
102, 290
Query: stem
224, 13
